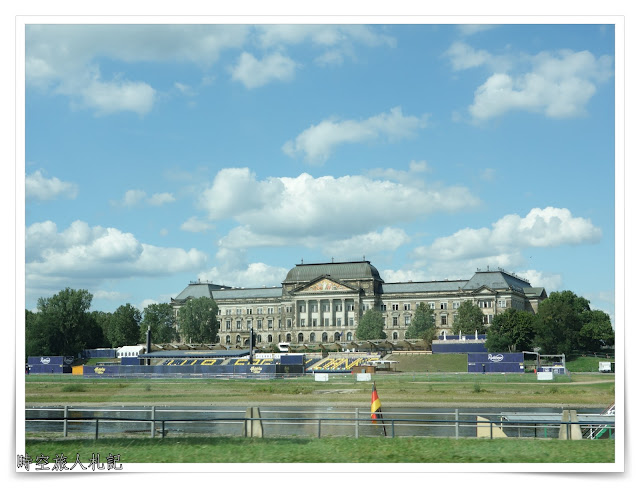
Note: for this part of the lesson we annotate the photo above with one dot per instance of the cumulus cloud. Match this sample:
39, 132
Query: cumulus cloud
557, 84
96, 253
317, 142
64, 59
234, 270
548, 227
307, 207
193, 224
253, 73
389, 239
321, 35
39, 187
132, 198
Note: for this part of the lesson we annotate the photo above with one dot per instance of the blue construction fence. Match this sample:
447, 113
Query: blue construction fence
500, 362
261, 371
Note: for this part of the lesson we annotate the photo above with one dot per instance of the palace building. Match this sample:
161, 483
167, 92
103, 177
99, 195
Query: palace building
322, 303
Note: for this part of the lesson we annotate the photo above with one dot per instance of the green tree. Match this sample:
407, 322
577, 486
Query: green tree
124, 326
198, 321
559, 321
371, 326
596, 331
423, 324
158, 316
512, 330
59, 327
469, 319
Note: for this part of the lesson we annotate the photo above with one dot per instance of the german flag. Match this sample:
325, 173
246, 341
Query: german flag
376, 408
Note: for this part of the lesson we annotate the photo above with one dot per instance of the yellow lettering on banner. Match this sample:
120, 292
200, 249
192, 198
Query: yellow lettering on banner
208, 362
240, 362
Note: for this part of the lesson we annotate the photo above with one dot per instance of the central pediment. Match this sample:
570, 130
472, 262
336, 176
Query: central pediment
323, 285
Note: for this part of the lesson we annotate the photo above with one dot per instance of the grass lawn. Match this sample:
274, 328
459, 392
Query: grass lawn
328, 450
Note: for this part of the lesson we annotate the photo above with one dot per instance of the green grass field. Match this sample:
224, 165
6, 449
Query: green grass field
329, 450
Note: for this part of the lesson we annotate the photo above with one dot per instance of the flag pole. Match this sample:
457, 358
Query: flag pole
376, 408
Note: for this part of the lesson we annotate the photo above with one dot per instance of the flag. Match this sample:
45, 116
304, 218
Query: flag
376, 408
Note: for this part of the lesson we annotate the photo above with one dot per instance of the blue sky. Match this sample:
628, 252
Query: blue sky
160, 154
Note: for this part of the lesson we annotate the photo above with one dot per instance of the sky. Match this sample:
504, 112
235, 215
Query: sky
156, 155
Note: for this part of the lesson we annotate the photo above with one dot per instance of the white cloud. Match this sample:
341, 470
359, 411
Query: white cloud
94, 254
463, 56
321, 35
371, 243
253, 73
158, 199
471, 29
132, 198
317, 142
547, 227
233, 270
412, 176
193, 224
38, 187
559, 85
280, 208
550, 281
63, 58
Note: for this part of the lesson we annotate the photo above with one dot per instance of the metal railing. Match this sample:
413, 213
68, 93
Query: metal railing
155, 420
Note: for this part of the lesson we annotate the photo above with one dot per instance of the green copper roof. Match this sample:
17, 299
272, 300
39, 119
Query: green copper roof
339, 271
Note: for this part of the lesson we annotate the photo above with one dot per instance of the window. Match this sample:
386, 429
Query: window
227, 311
259, 321
270, 324
301, 322
339, 322
502, 303
456, 305
432, 305
407, 320
314, 308
279, 323
300, 337
394, 306
259, 338
238, 311
487, 319
288, 337
228, 339
288, 323
443, 319
259, 310
270, 311
325, 337
228, 324
314, 322
301, 308
249, 311
326, 322
269, 338
383, 307
351, 307
407, 306
237, 338
289, 309
238, 324
326, 308
339, 308
351, 321
349, 336
249, 323
312, 337
279, 309
395, 321
443, 305
395, 336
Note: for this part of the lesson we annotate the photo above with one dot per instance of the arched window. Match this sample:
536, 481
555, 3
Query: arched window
228, 339
336, 337
269, 338
325, 337
288, 337
395, 336
312, 337
217, 338
300, 337
349, 336
238, 339
259, 338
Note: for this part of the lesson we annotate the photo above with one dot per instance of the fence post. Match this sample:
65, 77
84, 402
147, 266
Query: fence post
153, 421
357, 422
491, 429
64, 425
96, 428
457, 423
393, 430
319, 424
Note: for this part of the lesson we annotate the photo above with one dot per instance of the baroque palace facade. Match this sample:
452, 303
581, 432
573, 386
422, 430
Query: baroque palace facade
322, 303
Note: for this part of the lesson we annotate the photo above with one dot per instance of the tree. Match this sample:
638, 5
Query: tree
371, 326
423, 324
198, 320
125, 326
596, 331
159, 316
60, 325
469, 319
512, 330
559, 321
